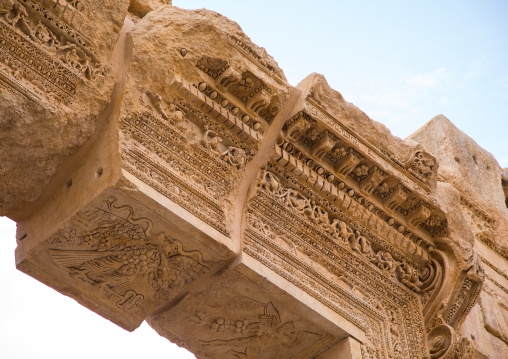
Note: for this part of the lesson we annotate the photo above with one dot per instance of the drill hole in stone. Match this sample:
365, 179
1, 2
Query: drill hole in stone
474, 159
68, 184
23, 237
99, 172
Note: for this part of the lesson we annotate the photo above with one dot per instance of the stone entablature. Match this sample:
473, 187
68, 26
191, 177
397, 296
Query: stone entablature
238, 215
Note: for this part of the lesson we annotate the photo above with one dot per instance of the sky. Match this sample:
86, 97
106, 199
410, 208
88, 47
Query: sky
401, 62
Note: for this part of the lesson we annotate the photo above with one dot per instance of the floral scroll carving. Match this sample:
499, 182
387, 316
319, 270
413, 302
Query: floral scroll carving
343, 234
32, 38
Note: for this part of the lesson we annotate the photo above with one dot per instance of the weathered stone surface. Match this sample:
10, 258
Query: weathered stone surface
233, 318
463, 163
242, 217
476, 174
55, 79
140, 8
472, 193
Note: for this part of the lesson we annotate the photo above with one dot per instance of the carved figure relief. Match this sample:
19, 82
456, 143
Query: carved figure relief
234, 320
258, 337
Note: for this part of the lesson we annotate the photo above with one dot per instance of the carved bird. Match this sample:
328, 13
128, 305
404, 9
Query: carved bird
162, 261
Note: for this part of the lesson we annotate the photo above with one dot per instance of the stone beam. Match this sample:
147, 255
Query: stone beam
193, 188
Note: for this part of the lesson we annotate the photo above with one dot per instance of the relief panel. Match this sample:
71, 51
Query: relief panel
300, 240
123, 260
238, 318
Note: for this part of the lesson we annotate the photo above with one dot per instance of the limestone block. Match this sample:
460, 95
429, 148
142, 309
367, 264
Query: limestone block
464, 163
242, 217
476, 174
122, 260
140, 8
115, 244
347, 348
243, 314
56, 78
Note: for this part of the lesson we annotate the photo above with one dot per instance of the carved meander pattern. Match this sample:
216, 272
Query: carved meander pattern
108, 247
31, 38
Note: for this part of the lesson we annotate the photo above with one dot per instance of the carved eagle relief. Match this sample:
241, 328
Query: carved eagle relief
102, 247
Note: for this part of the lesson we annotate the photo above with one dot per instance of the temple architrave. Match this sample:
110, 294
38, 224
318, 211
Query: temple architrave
160, 168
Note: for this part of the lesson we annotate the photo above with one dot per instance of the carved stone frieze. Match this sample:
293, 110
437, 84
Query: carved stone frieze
238, 319
123, 258
108, 247
348, 295
32, 37
339, 227
257, 98
55, 78
353, 204
346, 155
198, 191
482, 225
239, 216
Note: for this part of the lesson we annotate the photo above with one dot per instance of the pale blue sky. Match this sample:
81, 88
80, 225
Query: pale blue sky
401, 62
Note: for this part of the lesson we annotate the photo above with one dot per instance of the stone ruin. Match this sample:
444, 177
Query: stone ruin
160, 167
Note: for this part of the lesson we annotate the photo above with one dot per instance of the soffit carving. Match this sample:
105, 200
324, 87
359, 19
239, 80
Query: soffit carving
353, 227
